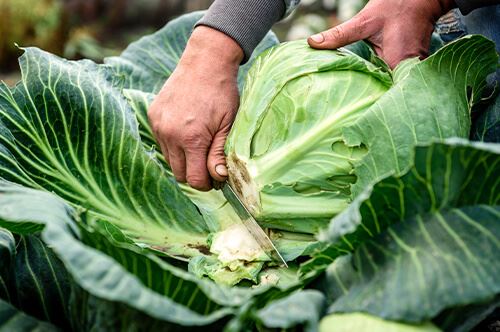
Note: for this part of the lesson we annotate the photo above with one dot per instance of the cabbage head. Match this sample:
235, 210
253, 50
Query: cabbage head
316, 127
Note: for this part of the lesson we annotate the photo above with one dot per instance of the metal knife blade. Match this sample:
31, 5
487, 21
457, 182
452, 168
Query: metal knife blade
251, 225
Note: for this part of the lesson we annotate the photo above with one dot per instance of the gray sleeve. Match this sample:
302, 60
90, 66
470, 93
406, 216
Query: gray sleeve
466, 6
246, 21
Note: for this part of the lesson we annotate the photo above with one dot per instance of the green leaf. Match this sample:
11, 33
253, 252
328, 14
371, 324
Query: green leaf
106, 276
487, 127
65, 129
12, 319
7, 248
38, 283
360, 322
466, 318
425, 241
454, 173
139, 102
421, 107
300, 309
437, 261
239, 270
43, 206
7, 252
116, 275
146, 64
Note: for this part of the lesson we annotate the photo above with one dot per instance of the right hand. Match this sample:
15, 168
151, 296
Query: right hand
193, 113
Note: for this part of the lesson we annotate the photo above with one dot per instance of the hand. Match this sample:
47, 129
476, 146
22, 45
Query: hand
397, 29
193, 113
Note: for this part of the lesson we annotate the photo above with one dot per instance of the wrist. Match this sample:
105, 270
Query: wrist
212, 46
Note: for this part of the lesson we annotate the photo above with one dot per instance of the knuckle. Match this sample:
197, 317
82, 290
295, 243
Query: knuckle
180, 178
359, 26
197, 182
194, 140
164, 131
337, 33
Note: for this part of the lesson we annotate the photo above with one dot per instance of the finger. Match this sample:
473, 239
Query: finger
177, 162
344, 34
164, 152
216, 158
196, 169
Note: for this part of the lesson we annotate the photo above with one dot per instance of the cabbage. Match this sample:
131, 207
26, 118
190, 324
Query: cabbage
95, 234
316, 127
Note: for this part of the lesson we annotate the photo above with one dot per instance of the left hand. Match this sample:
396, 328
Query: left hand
397, 29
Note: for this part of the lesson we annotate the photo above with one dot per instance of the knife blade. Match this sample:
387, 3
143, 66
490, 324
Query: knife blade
251, 225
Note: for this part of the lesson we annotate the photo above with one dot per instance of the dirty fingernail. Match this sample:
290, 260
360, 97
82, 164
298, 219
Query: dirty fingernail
318, 38
221, 170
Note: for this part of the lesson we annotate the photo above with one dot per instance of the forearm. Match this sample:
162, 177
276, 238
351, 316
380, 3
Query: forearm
245, 21
466, 6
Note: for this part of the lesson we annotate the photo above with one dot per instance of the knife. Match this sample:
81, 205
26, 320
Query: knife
251, 225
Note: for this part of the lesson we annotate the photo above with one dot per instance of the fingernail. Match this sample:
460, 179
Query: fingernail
318, 38
221, 170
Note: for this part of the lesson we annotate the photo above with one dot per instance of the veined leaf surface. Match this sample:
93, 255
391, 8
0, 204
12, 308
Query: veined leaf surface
112, 271
66, 129
12, 319
37, 283
422, 242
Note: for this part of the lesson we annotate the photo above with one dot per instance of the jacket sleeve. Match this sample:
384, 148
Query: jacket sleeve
246, 21
466, 6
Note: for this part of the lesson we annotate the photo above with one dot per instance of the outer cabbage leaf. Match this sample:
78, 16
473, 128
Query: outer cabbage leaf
300, 309
422, 242
7, 252
12, 319
312, 134
466, 318
224, 273
113, 271
65, 129
37, 283
7, 249
361, 322
146, 64
487, 127
118, 282
421, 107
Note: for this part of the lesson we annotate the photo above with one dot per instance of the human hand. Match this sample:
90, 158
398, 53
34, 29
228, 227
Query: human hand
193, 113
397, 29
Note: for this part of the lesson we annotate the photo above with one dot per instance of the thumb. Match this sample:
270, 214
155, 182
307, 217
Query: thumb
344, 34
216, 161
